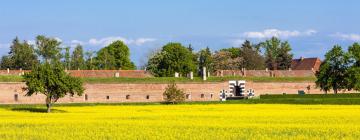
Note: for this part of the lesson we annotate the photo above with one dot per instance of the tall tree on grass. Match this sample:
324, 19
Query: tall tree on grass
252, 57
115, 56
67, 57
52, 81
353, 73
21, 55
173, 94
333, 71
277, 54
77, 58
172, 58
205, 59
48, 48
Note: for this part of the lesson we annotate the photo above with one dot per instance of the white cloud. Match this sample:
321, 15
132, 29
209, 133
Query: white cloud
268, 33
351, 37
58, 39
108, 40
237, 42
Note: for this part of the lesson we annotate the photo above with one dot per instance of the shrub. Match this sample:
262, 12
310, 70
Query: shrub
173, 95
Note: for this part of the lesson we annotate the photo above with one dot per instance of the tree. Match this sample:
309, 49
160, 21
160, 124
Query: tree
173, 95
89, 60
333, 71
52, 81
252, 57
277, 54
284, 56
234, 52
21, 55
172, 58
205, 59
77, 59
222, 60
115, 56
48, 48
323, 79
67, 61
353, 73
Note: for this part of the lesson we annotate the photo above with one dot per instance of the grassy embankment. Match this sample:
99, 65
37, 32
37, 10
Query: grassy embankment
178, 80
215, 121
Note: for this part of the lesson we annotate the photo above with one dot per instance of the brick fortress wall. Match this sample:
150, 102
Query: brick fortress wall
11, 93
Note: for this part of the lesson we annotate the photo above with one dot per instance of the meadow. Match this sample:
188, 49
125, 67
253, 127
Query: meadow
184, 121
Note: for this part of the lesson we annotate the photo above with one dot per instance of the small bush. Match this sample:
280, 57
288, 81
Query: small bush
173, 95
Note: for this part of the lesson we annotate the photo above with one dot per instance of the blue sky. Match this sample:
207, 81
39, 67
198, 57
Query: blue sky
311, 26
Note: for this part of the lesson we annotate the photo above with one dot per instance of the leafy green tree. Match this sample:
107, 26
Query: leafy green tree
52, 81
173, 94
333, 71
67, 57
205, 59
21, 55
115, 56
172, 58
235, 52
284, 56
48, 48
277, 54
90, 64
353, 73
252, 57
77, 58
323, 79
222, 60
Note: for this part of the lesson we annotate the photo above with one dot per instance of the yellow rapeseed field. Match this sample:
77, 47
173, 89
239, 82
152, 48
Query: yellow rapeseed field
217, 121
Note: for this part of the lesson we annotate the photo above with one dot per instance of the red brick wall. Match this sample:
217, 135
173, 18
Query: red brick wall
97, 93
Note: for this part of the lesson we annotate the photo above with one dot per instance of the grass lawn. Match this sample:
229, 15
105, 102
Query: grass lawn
186, 121
178, 80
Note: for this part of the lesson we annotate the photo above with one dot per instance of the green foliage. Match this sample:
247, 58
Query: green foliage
48, 48
67, 57
173, 95
21, 55
52, 81
172, 58
77, 59
333, 71
90, 64
235, 52
277, 54
223, 60
253, 60
353, 72
115, 56
205, 59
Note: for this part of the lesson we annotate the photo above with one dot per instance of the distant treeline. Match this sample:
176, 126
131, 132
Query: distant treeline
173, 57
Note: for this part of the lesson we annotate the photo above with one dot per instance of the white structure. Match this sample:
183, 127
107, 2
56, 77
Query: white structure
237, 88
204, 73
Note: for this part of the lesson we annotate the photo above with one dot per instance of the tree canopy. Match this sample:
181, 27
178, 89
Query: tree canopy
333, 71
172, 58
115, 56
20, 56
48, 48
52, 81
77, 58
277, 54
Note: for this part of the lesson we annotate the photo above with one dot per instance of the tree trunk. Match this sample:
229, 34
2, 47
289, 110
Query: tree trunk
48, 105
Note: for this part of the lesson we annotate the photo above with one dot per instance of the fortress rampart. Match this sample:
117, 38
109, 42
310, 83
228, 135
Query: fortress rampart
11, 93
